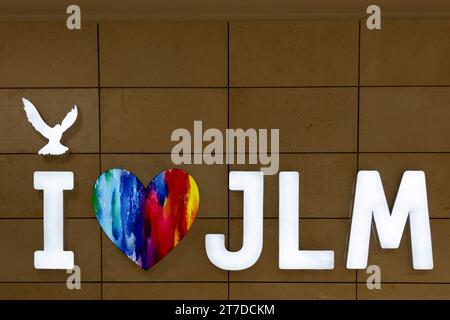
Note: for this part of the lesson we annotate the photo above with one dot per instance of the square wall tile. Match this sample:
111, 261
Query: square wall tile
437, 175
19, 199
20, 238
47, 54
315, 234
49, 291
326, 185
404, 119
406, 52
142, 120
309, 119
300, 53
163, 54
396, 264
165, 291
17, 135
292, 291
405, 291
187, 261
211, 180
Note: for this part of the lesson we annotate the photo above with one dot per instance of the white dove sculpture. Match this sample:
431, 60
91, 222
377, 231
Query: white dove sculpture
54, 135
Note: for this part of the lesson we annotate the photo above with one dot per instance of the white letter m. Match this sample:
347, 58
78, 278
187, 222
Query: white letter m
370, 201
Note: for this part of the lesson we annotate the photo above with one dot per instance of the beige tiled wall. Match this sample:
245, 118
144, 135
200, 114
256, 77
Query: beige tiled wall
344, 98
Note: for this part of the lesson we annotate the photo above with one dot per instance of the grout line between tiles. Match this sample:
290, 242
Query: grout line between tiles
232, 282
357, 129
100, 149
212, 218
234, 87
234, 153
228, 166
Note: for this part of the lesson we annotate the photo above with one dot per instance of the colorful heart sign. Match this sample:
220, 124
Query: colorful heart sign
145, 223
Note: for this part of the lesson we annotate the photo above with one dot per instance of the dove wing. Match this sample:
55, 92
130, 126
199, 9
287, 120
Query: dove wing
70, 118
35, 119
